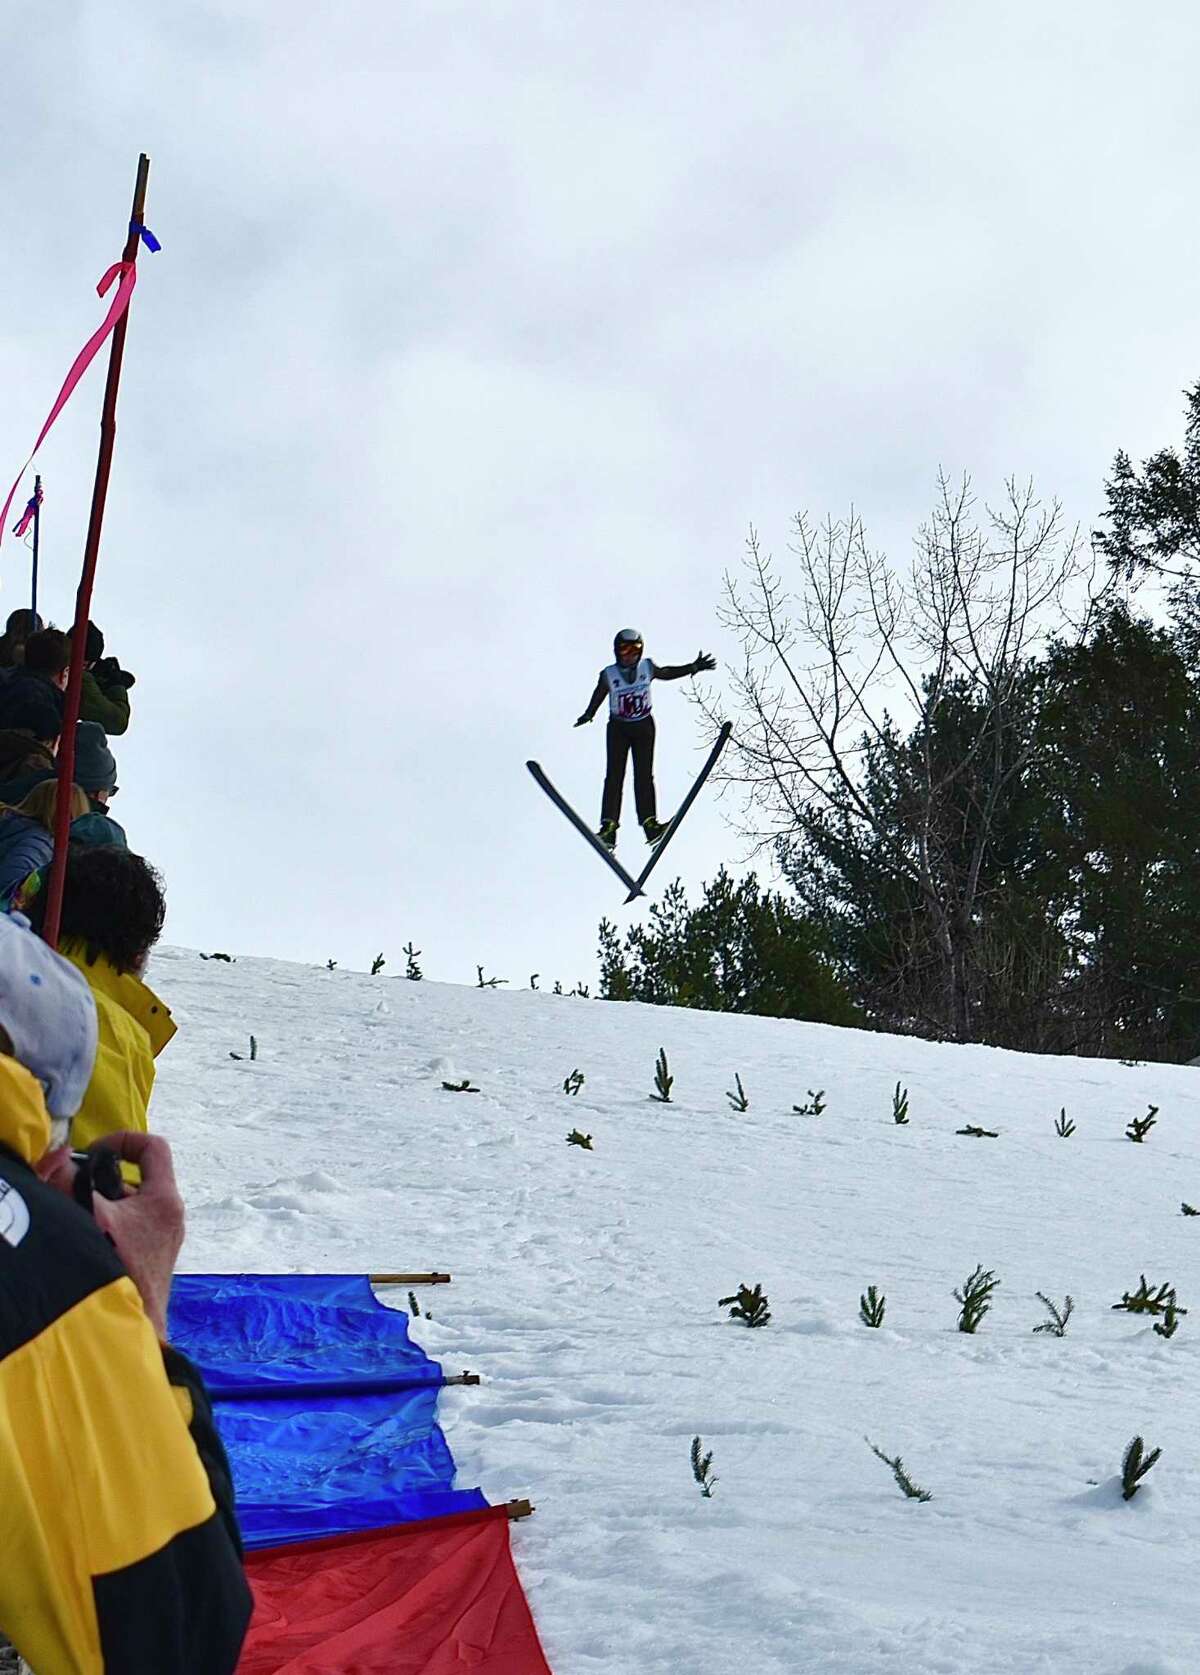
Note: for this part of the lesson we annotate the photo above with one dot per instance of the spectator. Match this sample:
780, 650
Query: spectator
96, 772
105, 693
112, 915
123, 1551
20, 625
31, 699
26, 755
27, 835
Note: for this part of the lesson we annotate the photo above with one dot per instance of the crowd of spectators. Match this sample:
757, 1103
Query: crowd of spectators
122, 1550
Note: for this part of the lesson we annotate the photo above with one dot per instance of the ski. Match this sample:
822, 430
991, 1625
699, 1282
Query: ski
673, 827
561, 803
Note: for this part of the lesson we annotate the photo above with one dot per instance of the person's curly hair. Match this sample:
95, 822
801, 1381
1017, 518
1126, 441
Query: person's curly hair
113, 903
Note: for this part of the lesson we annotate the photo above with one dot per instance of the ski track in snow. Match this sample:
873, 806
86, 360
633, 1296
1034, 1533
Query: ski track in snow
585, 1288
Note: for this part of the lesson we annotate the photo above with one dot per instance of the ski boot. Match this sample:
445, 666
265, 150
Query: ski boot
654, 829
608, 833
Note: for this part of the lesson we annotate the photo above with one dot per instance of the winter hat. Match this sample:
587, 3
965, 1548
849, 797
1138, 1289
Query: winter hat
95, 764
96, 830
47, 1008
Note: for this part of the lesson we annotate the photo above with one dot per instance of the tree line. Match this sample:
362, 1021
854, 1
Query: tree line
980, 779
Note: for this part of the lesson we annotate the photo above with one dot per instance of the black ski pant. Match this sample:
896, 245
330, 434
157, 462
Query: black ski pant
624, 736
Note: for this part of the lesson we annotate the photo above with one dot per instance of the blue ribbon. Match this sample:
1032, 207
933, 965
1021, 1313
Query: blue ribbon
146, 236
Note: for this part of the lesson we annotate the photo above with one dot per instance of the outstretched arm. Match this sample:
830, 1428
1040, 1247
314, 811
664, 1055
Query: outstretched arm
700, 665
595, 701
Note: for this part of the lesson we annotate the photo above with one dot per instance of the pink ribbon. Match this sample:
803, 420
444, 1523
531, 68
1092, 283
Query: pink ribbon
84, 359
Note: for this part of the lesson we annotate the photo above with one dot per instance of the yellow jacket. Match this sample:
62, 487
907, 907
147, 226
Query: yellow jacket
135, 1026
119, 1543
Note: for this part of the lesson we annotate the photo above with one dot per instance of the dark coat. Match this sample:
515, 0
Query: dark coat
25, 845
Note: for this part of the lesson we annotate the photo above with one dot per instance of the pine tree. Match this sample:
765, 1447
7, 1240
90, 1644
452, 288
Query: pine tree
742, 949
1057, 1323
738, 1100
750, 1307
871, 1307
663, 1080
975, 1298
1134, 1466
701, 1469
903, 1480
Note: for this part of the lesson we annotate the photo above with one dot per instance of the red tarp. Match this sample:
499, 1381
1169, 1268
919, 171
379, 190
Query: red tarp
435, 1598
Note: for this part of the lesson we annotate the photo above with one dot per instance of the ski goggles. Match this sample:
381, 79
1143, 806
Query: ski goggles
626, 646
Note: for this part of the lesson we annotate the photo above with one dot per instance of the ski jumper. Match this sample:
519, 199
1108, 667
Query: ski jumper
630, 730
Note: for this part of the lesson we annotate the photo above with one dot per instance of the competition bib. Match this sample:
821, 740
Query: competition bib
629, 700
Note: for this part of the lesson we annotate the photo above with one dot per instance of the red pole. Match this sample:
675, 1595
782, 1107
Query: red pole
83, 599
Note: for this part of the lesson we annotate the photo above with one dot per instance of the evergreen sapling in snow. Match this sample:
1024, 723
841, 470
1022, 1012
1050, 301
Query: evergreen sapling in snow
816, 1104
1064, 1127
903, 1480
1169, 1324
899, 1104
702, 1469
975, 1298
1057, 1322
738, 1100
1188, 1210
871, 1306
979, 1133
575, 1138
663, 1080
1146, 1301
487, 983
331, 965
377, 965
460, 1087
411, 969
750, 1307
1141, 1126
573, 1083
1134, 1467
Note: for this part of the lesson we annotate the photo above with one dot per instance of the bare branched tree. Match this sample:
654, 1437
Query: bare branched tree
834, 655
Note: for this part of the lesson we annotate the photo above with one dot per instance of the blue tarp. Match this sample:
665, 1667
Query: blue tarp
295, 1333
326, 1406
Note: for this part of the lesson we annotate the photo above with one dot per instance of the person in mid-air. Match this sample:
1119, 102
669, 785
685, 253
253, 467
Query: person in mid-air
627, 683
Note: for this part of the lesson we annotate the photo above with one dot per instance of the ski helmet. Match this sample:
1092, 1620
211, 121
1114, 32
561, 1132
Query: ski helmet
626, 639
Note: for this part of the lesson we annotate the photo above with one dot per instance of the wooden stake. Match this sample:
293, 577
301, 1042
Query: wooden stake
520, 1509
409, 1279
462, 1378
83, 598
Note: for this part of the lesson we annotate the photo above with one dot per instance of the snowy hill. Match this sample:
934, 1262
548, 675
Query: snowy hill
585, 1290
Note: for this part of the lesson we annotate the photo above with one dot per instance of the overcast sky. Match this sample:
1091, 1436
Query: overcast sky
482, 330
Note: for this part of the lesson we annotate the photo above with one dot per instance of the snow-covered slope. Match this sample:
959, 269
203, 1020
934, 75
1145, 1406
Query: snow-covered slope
585, 1289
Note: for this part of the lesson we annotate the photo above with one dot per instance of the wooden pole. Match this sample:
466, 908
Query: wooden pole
83, 598
409, 1279
462, 1378
519, 1509
37, 525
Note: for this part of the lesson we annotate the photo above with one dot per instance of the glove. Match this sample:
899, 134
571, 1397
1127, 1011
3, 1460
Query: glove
583, 721
704, 664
